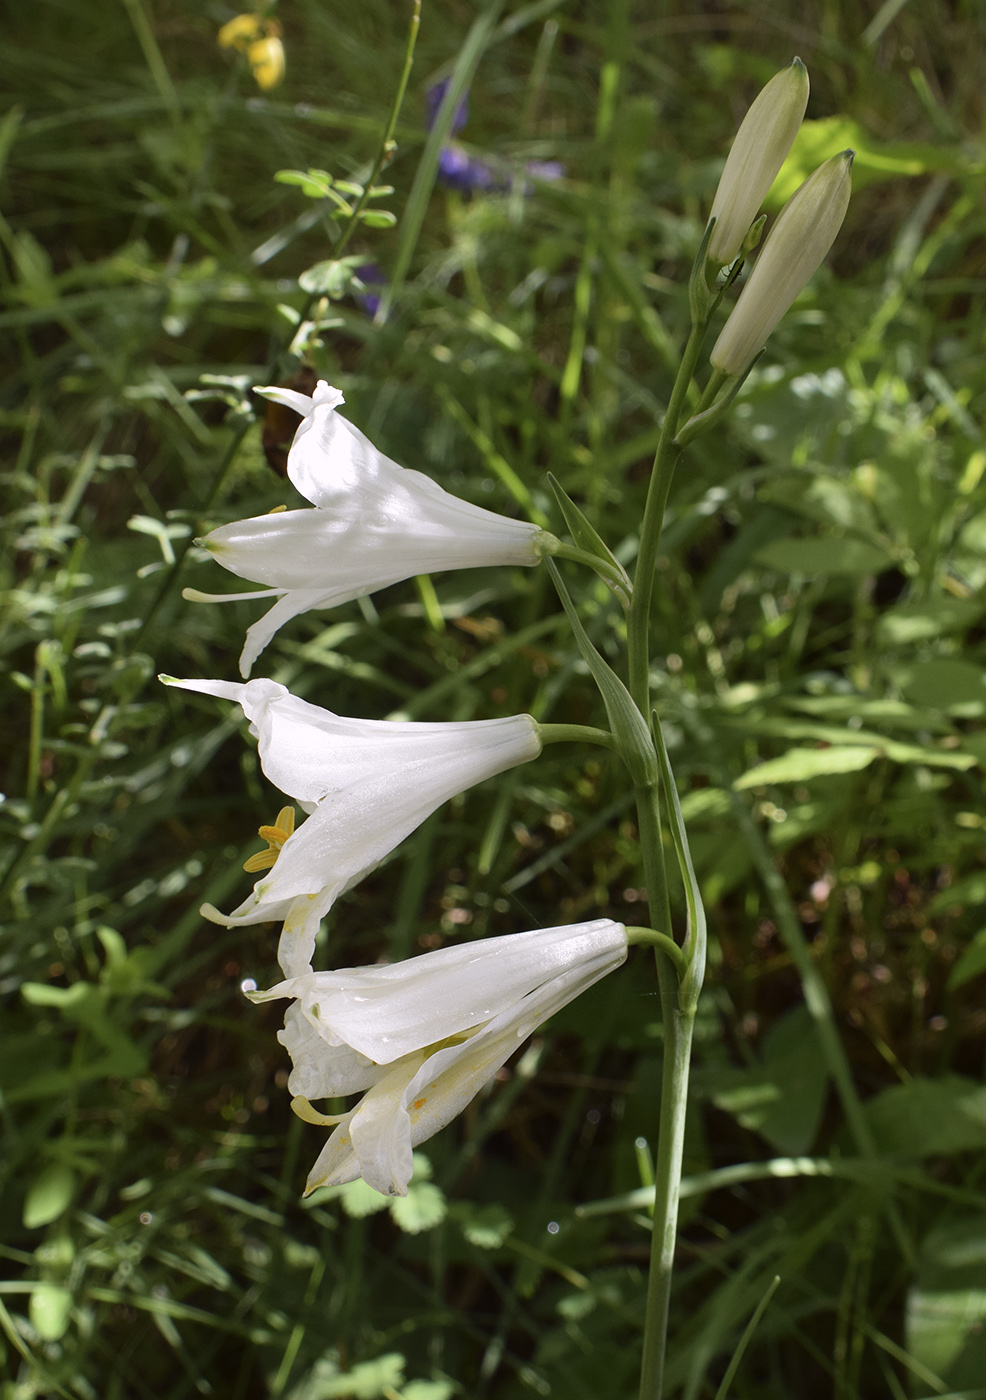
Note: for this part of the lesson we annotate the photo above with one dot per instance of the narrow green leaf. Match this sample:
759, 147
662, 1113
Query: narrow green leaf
696, 934
633, 739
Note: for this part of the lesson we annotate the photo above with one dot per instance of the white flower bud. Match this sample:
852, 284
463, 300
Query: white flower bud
758, 152
804, 232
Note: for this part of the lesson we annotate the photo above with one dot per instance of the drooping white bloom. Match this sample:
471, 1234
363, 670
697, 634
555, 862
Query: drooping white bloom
374, 523
366, 784
804, 232
421, 1037
758, 151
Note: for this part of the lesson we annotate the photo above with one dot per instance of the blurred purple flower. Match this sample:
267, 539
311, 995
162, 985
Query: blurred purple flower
433, 100
371, 276
545, 169
460, 171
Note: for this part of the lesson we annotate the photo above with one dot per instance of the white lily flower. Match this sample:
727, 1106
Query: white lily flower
366, 784
758, 151
804, 232
422, 1037
374, 523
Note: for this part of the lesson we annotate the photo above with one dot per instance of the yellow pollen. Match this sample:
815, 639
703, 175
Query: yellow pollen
275, 836
419, 1103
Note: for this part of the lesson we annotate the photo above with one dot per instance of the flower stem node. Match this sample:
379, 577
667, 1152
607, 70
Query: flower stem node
374, 524
420, 1038
804, 232
759, 150
365, 785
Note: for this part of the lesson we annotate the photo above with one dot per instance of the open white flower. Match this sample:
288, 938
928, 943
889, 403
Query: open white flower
366, 784
374, 523
421, 1037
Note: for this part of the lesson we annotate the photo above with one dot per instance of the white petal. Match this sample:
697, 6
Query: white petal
291, 398
322, 1071
387, 1012
373, 1141
450, 1078
225, 690
259, 634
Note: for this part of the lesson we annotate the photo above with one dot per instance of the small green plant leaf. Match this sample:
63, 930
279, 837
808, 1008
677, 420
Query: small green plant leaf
825, 555
971, 963
484, 1226
422, 1208
378, 218
49, 1310
781, 1098
49, 1196
331, 278
359, 1200
798, 765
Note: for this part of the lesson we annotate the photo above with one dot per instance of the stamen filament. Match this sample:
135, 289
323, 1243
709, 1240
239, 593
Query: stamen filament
303, 1109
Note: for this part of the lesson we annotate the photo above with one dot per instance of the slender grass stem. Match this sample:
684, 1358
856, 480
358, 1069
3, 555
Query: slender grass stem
37, 724
386, 148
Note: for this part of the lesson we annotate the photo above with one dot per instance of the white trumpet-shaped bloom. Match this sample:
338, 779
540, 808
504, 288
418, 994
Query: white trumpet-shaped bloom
374, 523
422, 1037
366, 784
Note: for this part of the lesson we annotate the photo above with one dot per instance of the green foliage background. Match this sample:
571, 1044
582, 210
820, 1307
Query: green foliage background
820, 655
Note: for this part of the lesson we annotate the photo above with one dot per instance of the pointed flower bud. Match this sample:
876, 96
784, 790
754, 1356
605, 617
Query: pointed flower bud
804, 232
765, 136
422, 1037
374, 523
366, 784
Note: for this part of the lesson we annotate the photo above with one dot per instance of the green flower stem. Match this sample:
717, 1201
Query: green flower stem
386, 149
636, 934
716, 381
665, 459
614, 577
559, 733
678, 1025
678, 1028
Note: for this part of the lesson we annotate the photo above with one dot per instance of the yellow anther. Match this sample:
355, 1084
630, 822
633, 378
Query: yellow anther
276, 510
275, 836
